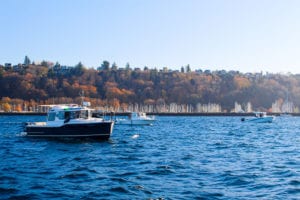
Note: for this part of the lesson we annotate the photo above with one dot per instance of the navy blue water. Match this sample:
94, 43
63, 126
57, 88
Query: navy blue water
176, 158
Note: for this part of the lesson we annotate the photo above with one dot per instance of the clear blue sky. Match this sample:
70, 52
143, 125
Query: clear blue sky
244, 35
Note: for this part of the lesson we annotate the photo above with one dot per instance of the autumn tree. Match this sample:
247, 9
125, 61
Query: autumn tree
6, 107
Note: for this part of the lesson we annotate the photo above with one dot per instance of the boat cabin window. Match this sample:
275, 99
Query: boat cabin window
51, 116
67, 115
131, 115
84, 114
75, 114
61, 115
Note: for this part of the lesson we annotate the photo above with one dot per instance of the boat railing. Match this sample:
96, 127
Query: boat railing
260, 114
104, 115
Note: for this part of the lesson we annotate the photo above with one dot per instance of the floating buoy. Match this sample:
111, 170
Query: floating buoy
135, 136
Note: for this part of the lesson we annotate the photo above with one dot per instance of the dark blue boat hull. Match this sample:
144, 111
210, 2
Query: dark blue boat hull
101, 131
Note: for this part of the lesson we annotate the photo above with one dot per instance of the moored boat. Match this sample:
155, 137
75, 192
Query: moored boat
71, 121
260, 117
136, 118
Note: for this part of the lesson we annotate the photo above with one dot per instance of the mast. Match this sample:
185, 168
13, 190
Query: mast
81, 94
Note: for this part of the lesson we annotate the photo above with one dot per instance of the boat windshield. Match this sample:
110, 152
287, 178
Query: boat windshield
133, 115
260, 114
84, 114
142, 114
67, 115
77, 114
51, 116
80, 114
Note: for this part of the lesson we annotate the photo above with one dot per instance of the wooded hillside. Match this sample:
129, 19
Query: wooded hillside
32, 84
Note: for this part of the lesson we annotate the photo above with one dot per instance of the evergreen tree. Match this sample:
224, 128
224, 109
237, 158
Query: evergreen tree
45, 63
114, 66
182, 69
105, 65
188, 68
127, 67
57, 65
27, 61
79, 69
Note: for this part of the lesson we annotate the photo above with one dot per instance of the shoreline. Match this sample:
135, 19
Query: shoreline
156, 113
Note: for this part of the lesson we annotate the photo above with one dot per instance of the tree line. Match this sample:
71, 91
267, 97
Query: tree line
33, 84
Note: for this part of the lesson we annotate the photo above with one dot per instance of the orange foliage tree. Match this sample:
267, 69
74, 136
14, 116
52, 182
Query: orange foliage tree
6, 107
241, 82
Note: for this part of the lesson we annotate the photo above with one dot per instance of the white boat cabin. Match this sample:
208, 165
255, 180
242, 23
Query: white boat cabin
260, 114
137, 115
65, 113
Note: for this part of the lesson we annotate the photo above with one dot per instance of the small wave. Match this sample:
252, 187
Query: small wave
8, 190
56, 195
293, 191
280, 166
128, 174
37, 187
235, 180
209, 195
7, 178
120, 180
23, 197
285, 173
239, 182
119, 190
84, 169
74, 175
157, 198
144, 162
141, 188
161, 170
294, 182
188, 157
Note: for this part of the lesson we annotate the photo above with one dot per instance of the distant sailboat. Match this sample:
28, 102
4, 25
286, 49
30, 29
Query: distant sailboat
287, 106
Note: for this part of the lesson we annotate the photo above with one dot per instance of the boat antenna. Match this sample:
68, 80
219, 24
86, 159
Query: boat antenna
81, 94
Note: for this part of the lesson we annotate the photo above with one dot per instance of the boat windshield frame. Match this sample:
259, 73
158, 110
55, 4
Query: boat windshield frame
51, 116
260, 114
69, 114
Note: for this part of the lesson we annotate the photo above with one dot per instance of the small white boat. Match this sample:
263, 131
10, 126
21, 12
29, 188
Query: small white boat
285, 115
136, 118
260, 117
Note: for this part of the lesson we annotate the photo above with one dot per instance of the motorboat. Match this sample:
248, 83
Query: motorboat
71, 121
260, 117
286, 115
136, 118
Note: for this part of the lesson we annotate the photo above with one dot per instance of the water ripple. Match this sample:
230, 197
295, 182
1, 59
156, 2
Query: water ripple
176, 158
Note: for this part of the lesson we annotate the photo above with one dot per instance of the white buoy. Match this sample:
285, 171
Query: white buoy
135, 136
